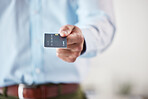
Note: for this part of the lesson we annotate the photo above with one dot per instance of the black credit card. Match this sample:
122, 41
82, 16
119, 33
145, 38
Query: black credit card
55, 40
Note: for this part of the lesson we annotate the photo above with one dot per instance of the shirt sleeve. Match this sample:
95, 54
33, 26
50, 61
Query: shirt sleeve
96, 20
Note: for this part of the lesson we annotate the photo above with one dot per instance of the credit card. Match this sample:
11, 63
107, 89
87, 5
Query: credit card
55, 40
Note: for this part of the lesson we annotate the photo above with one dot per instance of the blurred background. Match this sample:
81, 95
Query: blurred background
121, 72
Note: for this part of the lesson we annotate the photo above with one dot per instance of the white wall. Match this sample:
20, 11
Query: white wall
126, 61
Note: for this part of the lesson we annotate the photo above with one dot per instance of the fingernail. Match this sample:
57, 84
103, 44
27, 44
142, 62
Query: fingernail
66, 32
63, 33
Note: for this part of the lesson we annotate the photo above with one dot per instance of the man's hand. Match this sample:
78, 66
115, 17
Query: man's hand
75, 42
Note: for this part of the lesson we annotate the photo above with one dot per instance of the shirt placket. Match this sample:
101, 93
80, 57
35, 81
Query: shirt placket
36, 37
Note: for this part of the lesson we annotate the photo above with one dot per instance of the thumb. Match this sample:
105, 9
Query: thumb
66, 30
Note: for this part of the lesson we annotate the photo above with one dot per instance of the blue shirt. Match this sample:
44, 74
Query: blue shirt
23, 59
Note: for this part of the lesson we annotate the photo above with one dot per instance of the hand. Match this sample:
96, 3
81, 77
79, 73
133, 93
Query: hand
75, 42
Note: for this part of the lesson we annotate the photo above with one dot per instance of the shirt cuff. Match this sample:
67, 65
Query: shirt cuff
84, 47
89, 48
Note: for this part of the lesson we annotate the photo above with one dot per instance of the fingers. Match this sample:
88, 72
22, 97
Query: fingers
75, 47
67, 55
64, 52
74, 37
66, 30
75, 42
72, 32
67, 59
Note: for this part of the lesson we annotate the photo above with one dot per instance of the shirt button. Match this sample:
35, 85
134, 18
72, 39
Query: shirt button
37, 70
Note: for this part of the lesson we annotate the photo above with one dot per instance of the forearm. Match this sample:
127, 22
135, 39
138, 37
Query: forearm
97, 25
98, 36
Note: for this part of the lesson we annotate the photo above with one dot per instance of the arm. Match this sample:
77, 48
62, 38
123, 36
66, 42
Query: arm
96, 25
96, 20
